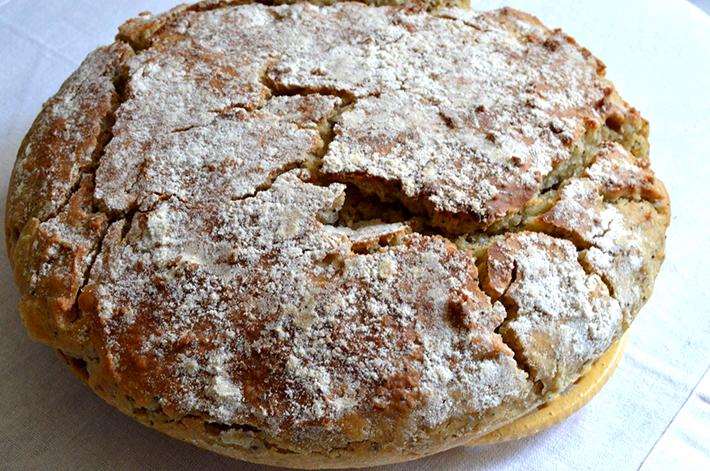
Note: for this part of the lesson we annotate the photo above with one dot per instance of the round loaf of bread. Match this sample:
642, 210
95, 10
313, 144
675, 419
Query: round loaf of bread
334, 235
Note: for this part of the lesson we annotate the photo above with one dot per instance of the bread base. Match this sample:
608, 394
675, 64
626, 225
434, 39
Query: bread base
562, 406
547, 415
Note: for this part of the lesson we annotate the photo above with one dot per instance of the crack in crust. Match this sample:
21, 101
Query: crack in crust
367, 231
50, 164
42, 239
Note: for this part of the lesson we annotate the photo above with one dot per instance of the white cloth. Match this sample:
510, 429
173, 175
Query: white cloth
657, 53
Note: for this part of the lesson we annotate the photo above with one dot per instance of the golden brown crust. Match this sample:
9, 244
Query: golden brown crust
62, 141
179, 227
51, 260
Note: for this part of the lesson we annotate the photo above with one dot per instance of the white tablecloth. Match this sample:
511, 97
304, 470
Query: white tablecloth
653, 414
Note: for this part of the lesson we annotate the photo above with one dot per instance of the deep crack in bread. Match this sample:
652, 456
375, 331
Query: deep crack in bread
329, 236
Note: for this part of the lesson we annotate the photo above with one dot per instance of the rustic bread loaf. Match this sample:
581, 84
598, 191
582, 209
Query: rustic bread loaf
327, 236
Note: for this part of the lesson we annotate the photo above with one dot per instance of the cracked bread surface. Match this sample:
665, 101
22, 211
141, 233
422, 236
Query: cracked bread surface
334, 235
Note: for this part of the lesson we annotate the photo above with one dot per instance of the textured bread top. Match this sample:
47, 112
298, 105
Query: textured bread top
462, 118
174, 220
